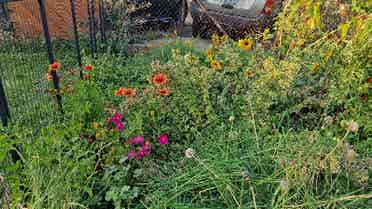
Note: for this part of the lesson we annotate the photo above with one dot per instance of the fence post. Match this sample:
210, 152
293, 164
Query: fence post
50, 52
76, 36
4, 108
91, 28
102, 21
92, 9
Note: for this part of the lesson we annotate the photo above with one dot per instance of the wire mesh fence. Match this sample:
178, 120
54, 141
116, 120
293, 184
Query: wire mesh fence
36, 33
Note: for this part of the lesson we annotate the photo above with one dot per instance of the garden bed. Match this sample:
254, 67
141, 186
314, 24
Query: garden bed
275, 120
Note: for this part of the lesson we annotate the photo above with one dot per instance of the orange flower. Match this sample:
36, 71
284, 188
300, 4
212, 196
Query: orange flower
119, 92
164, 92
55, 66
160, 79
88, 67
86, 76
49, 76
128, 92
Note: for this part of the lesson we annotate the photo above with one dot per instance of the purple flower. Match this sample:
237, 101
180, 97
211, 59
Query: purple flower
163, 139
136, 140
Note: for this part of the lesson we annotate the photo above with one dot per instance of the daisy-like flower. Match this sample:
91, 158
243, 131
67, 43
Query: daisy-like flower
88, 67
164, 92
216, 65
129, 92
215, 40
55, 66
163, 139
160, 79
249, 73
209, 54
119, 92
245, 44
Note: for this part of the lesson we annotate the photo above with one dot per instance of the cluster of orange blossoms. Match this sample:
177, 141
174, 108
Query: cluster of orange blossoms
128, 92
56, 66
159, 80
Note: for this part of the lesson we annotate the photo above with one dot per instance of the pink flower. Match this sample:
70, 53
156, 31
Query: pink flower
120, 126
116, 118
144, 151
163, 139
136, 140
131, 155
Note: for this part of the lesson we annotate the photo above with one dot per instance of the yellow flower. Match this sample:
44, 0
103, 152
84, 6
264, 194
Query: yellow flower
209, 54
249, 73
216, 65
95, 125
215, 40
246, 44
224, 39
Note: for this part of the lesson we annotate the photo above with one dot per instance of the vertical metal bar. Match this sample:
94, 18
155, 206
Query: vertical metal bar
92, 9
102, 21
76, 36
90, 21
4, 108
50, 52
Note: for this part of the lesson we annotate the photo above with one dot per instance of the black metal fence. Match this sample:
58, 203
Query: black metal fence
36, 33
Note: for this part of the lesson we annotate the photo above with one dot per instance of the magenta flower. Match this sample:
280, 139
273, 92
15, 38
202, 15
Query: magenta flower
136, 140
163, 139
120, 126
116, 118
132, 154
144, 151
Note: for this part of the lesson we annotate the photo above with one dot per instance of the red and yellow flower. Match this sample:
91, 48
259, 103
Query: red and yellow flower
54, 66
164, 92
88, 67
160, 79
128, 92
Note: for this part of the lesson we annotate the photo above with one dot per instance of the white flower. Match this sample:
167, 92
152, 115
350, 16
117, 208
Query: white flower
189, 153
353, 126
